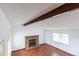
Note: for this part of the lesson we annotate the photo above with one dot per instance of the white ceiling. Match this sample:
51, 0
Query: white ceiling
20, 13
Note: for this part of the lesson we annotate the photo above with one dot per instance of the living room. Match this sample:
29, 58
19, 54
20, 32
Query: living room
58, 34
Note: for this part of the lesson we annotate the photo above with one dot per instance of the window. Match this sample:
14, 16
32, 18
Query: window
62, 38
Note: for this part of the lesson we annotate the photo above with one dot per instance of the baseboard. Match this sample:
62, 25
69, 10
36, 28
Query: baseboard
17, 50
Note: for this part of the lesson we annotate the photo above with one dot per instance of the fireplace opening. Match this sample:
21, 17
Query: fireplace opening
32, 42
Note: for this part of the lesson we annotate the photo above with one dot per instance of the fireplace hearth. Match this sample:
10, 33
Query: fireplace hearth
31, 41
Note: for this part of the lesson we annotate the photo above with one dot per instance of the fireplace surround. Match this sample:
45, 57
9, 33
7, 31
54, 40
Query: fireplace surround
31, 41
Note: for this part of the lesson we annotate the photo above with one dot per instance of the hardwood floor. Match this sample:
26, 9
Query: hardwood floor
43, 50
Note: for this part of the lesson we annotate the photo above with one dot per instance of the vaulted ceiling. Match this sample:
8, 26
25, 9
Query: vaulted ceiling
20, 13
59, 10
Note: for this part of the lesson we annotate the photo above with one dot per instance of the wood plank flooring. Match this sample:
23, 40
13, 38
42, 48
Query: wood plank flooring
43, 50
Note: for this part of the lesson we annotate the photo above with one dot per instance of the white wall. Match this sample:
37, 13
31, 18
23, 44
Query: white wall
18, 38
32, 30
72, 47
5, 27
19, 33
5, 30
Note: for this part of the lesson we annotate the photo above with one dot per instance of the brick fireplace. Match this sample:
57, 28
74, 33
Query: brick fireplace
31, 41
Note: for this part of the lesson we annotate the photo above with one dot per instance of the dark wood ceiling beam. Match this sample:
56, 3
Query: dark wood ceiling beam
64, 8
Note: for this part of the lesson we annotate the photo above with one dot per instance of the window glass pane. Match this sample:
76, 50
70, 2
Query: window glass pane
62, 38
56, 37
